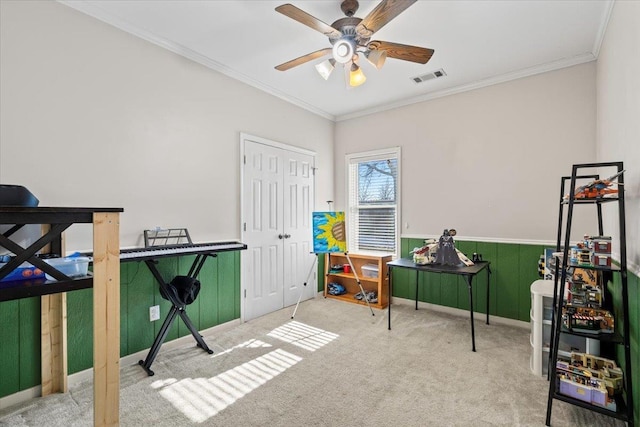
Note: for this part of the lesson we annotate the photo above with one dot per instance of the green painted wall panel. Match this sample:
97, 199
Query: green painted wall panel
29, 342
448, 288
168, 269
467, 248
529, 256
124, 309
507, 272
633, 284
480, 284
9, 350
228, 286
141, 293
79, 330
489, 252
208, 298
403, 281
634, 322
432, 288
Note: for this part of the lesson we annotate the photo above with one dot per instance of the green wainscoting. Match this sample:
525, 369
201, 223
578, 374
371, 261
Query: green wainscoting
513, 268
218, 302
633, 285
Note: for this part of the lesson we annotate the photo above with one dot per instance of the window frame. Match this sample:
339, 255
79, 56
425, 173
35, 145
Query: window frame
365, 156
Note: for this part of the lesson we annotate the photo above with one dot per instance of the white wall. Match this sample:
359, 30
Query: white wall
618, 117
486, 162
92, 116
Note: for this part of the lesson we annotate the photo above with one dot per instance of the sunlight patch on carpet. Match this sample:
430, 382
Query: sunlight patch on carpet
252, 343
303, 336
201, 398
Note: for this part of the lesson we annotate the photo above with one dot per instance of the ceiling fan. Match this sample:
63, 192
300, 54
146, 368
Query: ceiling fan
351, 36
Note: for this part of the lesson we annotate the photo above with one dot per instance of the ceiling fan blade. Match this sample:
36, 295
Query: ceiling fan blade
310, 21
384, 12
421, 55
301, 60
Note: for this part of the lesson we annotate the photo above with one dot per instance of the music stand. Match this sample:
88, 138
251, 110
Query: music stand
329, 236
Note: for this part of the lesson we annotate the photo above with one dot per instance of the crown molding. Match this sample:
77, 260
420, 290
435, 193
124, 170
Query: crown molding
478, 84
602, 30
95, 11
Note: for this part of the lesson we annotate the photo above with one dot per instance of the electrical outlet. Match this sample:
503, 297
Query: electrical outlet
154, 313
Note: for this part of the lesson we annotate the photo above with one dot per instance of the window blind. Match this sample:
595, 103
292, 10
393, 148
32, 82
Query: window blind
373, 202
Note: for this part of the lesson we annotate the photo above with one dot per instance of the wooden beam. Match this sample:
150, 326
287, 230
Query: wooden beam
106, 319
53, 335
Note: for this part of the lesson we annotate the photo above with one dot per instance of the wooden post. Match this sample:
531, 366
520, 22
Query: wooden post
106, 319
53, 336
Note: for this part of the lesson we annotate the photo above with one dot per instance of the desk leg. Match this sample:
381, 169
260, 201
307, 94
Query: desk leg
53, 330
54, 343
417, 283
106, 319
473, 334
388, 297
488, 282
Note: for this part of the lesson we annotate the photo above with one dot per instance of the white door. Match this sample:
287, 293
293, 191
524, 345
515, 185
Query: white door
298, 245
277, 203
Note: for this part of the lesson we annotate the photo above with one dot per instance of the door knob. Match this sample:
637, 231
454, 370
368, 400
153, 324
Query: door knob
280, 236
286, 236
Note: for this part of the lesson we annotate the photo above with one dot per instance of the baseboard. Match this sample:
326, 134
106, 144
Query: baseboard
462, 312
131, 359
20, 397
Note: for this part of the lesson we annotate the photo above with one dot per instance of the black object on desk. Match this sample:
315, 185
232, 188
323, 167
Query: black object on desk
468, 272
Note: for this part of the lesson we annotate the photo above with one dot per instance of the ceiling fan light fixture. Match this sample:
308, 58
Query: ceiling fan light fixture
376, 57
325, 68
343, 51
356, 76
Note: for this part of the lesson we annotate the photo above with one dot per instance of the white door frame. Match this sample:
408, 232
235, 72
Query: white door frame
291, 148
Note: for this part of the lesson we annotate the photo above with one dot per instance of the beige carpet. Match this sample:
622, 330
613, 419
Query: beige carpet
333, 365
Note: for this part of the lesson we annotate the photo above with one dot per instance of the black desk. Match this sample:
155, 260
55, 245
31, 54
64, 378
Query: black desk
467, 272
105, 282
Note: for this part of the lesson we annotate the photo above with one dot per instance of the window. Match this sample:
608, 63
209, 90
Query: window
373, 206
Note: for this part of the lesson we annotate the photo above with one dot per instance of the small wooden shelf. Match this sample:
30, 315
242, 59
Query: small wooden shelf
379, 284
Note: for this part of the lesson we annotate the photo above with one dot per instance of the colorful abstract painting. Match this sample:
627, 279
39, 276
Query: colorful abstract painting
329, 232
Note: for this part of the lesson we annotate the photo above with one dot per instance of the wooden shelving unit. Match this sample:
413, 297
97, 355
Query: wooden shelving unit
380, 284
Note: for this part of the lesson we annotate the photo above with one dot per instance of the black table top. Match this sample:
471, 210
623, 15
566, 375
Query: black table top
49, 215
437, 268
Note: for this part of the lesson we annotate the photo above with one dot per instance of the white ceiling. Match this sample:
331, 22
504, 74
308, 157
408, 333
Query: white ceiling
476, 42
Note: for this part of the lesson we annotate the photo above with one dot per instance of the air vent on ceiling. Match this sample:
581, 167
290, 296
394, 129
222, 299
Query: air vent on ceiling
430, 76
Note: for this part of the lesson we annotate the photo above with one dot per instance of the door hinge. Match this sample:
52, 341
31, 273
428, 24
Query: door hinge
244, 159
245, 293
244, 226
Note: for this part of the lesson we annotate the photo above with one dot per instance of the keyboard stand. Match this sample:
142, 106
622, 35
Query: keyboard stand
178, 309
